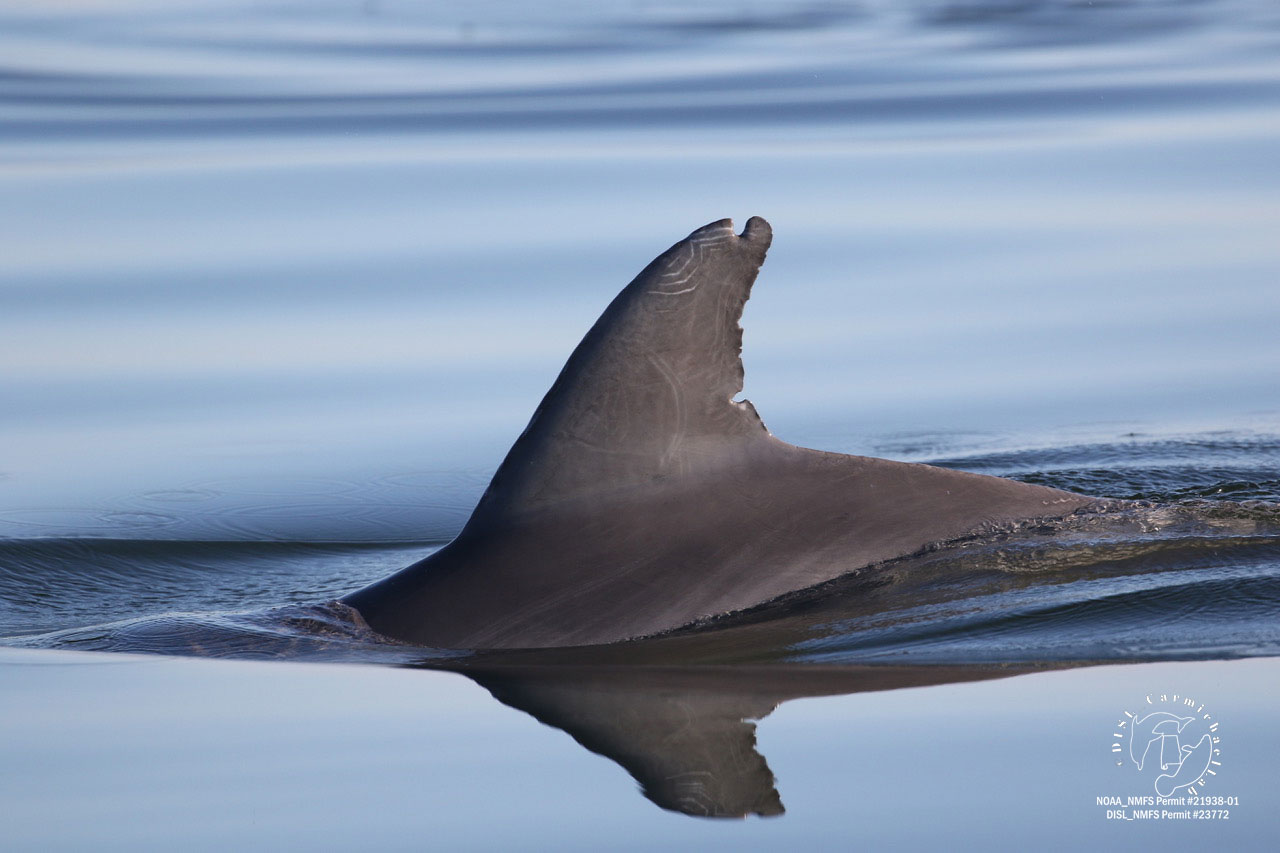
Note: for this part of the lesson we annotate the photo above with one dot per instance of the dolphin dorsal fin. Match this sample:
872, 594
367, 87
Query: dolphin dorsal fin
649, 391
641, 498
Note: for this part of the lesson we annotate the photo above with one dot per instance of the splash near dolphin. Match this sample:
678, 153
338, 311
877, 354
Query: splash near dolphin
643, 497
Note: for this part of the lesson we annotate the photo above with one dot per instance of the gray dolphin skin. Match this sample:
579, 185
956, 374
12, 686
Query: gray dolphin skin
642, 497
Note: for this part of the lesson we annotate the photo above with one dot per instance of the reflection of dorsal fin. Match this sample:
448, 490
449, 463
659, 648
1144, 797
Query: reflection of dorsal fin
686, 733
653, 378
691, 750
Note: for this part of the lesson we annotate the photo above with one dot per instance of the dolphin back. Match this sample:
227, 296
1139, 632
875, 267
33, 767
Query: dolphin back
643, 497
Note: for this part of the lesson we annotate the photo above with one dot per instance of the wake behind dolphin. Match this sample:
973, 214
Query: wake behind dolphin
642, 497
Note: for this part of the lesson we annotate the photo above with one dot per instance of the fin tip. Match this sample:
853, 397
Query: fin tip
758, 231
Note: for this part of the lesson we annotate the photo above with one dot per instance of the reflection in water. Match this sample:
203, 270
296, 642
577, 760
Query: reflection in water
687, 734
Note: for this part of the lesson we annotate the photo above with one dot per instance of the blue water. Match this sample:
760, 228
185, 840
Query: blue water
280, 283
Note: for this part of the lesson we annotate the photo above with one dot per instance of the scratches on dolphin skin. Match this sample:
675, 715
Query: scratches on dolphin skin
692, 256
681, 268
674, 292
681, 425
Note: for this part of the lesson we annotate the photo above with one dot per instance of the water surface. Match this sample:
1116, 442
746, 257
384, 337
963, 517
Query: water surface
280, 283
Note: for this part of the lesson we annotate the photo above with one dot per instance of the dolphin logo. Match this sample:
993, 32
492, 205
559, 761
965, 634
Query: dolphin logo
1191, 766
1157, 733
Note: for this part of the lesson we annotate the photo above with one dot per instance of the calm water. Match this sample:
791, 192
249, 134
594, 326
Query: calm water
280, 283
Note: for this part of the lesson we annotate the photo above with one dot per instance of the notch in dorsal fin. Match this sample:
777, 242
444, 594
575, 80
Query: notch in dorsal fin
650, 388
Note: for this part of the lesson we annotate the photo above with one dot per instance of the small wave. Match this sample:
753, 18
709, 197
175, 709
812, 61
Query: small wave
1167, 484
322, 632
1230, 467
55, 583
380, 73
1204, 614
1261, 451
